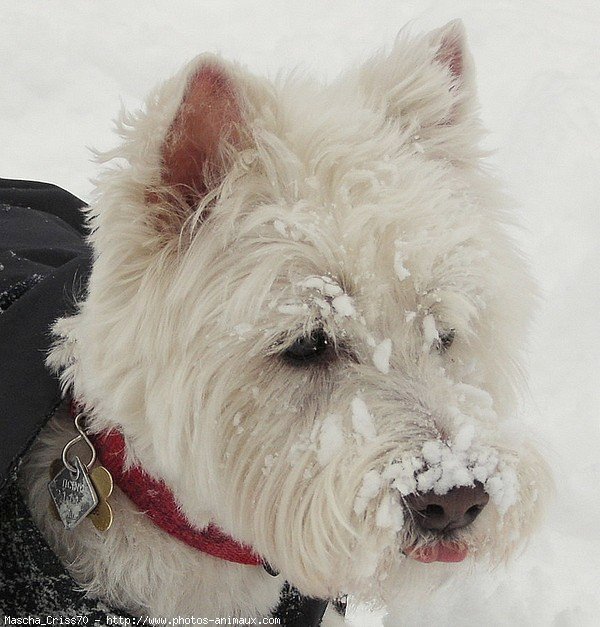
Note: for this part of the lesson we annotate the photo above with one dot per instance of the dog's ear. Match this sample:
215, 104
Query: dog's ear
450, 45
208, 118
205, 133
452, 54
423, 83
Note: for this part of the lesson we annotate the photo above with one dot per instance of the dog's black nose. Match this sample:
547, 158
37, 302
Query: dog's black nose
443, 512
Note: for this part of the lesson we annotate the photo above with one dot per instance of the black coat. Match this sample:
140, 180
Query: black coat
44, 263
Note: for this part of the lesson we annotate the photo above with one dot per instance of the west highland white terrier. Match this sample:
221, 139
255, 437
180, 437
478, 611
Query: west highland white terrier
298, 352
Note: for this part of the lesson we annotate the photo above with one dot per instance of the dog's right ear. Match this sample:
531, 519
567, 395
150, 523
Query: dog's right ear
207, 129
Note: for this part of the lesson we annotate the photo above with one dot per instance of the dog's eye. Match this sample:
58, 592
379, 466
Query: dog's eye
445, 339
309, 348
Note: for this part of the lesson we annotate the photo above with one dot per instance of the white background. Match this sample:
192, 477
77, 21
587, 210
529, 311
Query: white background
65, 66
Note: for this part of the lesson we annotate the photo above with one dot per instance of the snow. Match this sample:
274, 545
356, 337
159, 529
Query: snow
409, 316
362, 420
323, 284
401, 272
312, 283
370, 488
331, 438
331, 289
390, 514
430, 333
381, 356
343, 306
269, 463
243, 329
66, 67
461, 463
293, 309
333, 296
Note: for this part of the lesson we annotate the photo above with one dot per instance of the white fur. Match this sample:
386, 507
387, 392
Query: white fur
363, 205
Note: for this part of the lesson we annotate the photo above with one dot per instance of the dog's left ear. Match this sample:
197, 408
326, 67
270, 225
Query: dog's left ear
424, 83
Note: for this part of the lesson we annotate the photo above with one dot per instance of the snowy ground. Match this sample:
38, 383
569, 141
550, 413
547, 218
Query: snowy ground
66, 65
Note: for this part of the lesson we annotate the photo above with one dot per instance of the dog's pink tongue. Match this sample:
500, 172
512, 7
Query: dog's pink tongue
439, 553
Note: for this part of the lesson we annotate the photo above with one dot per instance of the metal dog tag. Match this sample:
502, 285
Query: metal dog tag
73, 494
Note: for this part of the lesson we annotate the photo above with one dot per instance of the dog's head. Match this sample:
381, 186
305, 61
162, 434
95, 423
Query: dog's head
305, 314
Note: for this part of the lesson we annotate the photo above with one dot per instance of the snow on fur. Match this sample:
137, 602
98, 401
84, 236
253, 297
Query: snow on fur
382, 354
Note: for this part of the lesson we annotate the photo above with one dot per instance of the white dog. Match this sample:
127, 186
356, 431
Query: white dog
303, 324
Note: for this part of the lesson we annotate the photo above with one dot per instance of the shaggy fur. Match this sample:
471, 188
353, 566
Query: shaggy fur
240, 216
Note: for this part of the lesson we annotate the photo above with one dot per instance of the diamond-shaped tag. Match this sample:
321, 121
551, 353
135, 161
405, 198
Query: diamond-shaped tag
73, 494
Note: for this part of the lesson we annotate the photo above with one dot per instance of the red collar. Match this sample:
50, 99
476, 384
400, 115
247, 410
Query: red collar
158, 503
